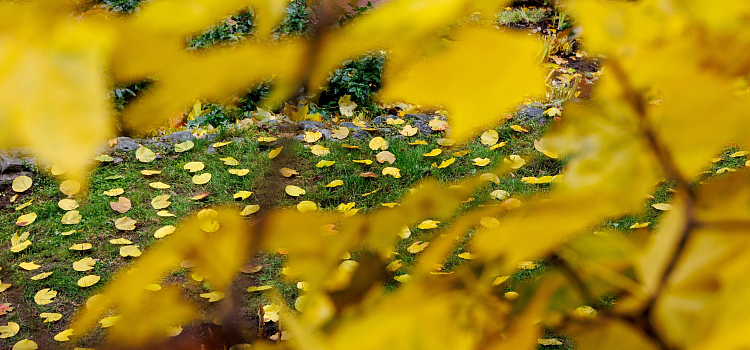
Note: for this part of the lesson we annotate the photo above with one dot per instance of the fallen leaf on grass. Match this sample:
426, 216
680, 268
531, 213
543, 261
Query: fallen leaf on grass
194, 166
489, 138
164, 231
518, 128
306, 206
362, 161
220, 144
258, 288
418, 143
385, 156
202, 178
312, 136
125, 224
250, 268
145, 155
662, 206
335, 183
25, 344
489, 222
121, 206
64, 335
130, 251
417, 247
21, 183
150, 172
325, 163
249, 209
408, 131
159, 185
184, 146
378, 143
433, 153
286, 172
20, 246
213, 296
229, 161
88, 281
67, 204
446, 163
120, 241
71, 218
41, 276
514, 161
160, 202
428, 224
80, 246
395, 172
109, 321
45, 296
26, 219
50, 317
114, 192
319, 150
9, 330
267, 139
4, 286
242, 195
294, 191
639, 225
480, 161
340, 133
239, 172
29, 266
275, 152
84, 264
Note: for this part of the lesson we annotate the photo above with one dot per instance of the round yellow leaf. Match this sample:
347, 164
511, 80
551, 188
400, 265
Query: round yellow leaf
160, 202
84, 264
29, 266
70, 187
80, 246
319, 150
26, 219
249, 209
184, 146
25, 344
306, 206
378, 143
385, 156
130, 250
294, 191
239, 172
202, 178
71, 218
335, 183
489, 137
45, 296
11, 329
159, 185
88, 281
125, 224
67, 204
409, 131
194, 166
481, 161
21, 183
164, 231
114, 192
150, 172
50, 316
428, 224
340, 133
242, 195
312, 136
145, 155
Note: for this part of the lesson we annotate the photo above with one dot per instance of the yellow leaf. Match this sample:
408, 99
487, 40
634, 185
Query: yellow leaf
319, 150
640, 225
125, 224
553, 112
145, 155
394, 265
499, 145
68, 233
409, 131
259, 288
349, 146
21, 183
64, 335
239, 172
346, 106
159, 185
489, 222
271, 313
438, 124
466, 256
499, 280
499, 194
306, 206
518, 128
417, 247
294, 191
67, 204
153, 287
200, 196
514, 161
481, 161
402, 278
433, 153
50, 317
733, 155
194, 166
114, 192
249, 209
160, 202
418, 143
26, 219
22, 206
242, 195
275, 152
16, 239
446, 163
385, 156
312, 136
165, 213
57, 169
45, 296
71, 218
286, 172
335, 183
220, 144
109, 321
147, 173
130, 251
228, 161
20, 246
405, 232
362, 161
428, 224
84, 264
213, 296
25, 344
378, 143
325, 163
267, 139
540, 145
395, 172
80, 246
120, 241
41, 276
489, 137
184, 146
88, 281
202, 178
9, 330
164, 231
662, 206
70, 187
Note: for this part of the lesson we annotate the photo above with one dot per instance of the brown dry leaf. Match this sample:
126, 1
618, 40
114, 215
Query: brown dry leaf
125, 224
121, 206
368, 174
385, 156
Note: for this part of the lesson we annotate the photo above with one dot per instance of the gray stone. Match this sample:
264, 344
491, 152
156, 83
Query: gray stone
126, 144
117, 160
210, 150
7, 179
380, 120
533, 112
210, 137
178, 137
326, 134
238, 140
9, 164
424, 128
310, 125
398, 137
300, 138
361, 135
419, 116
161, 145
351, 126
20, 152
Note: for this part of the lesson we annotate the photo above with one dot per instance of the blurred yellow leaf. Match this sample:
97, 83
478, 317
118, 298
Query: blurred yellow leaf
306, 206
249, 209
213, 296
70, 187
25, 344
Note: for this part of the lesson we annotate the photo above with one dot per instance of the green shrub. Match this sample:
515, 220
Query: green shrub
359, 78
228, 32
122, 6
298, 20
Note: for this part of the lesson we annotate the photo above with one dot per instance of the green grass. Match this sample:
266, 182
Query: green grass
521, 15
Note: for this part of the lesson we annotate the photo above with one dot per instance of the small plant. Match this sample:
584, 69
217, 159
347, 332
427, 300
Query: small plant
521, 15
556, 45
121, 95
359, 78
298, 20
228, 32
214, 114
